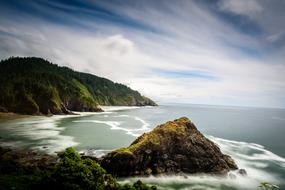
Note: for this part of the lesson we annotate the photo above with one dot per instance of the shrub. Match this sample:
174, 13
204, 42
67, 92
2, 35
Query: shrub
70, 173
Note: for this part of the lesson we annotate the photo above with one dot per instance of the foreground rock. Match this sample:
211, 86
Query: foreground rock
10, 157
174, 147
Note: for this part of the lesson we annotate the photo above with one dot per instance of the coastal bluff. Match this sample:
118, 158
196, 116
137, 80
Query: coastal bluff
34, 86
171, 148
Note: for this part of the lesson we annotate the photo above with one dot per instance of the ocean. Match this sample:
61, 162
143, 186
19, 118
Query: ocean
252, 136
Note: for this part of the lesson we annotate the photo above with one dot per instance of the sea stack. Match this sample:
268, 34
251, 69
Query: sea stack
171, 148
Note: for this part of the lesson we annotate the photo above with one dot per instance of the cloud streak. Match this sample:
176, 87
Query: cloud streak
184, 52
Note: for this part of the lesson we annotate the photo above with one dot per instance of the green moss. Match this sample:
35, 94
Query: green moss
154, 138
124, 151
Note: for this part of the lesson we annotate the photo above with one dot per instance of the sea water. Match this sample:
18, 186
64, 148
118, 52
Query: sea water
252, 136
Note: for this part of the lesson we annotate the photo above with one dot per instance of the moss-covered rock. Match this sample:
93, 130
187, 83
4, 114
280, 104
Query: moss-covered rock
174, 147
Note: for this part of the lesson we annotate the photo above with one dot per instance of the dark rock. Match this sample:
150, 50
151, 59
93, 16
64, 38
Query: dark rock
2, 109
242, 172
174, 147
145, 102
26, 157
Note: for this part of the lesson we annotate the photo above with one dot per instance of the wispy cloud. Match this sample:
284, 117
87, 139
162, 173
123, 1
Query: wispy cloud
241, 7
187, 51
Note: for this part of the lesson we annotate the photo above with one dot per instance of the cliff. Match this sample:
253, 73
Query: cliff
35, 86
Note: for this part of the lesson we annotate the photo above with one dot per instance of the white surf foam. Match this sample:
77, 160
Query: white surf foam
94, 152
91, 113
259, 151
145, 125
39, 133
116, 125
118, 108
254, 158
195, 182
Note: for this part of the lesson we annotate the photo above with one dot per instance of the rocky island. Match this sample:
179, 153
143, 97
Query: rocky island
174, 147
31, 85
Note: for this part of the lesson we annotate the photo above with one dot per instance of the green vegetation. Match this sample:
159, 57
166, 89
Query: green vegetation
268, 186
71, 173
152, 140
34, 85
156, 136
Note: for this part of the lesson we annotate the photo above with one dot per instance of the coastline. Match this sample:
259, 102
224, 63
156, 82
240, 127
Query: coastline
43, 129
102, 109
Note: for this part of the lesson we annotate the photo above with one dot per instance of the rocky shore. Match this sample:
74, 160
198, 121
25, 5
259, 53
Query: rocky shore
10, 156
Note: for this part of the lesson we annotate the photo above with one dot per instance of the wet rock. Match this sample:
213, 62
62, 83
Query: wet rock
242, 172
43, 161
174, 147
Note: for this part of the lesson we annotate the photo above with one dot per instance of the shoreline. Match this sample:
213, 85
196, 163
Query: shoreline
103, 108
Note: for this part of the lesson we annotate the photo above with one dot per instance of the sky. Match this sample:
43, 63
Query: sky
220, 52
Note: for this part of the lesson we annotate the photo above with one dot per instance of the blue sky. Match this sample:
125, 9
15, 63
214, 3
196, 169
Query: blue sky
224, 52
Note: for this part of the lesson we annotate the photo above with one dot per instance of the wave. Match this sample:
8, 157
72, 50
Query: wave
54, 145
197, 182
116, 125
94, 152
249, 151
91, 113
118, 108
37, 133
145, 125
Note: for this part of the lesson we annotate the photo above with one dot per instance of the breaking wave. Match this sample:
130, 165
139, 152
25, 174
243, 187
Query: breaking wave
37, 133
117, 125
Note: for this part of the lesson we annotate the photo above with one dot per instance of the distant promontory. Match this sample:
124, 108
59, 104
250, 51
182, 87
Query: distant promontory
33, 85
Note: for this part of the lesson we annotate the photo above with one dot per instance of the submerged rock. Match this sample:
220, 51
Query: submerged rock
242, 172
171, 148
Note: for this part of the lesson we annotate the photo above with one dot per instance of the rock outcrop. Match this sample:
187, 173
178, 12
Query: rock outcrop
10, 157
174, 147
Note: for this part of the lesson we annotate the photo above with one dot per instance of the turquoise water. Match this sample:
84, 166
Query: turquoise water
252, 136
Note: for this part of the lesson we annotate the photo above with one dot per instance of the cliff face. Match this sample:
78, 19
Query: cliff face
174, 147
34, 86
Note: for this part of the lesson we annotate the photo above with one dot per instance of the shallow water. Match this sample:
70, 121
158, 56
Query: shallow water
252, 136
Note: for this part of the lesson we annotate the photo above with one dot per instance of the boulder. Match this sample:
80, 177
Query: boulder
171, 148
